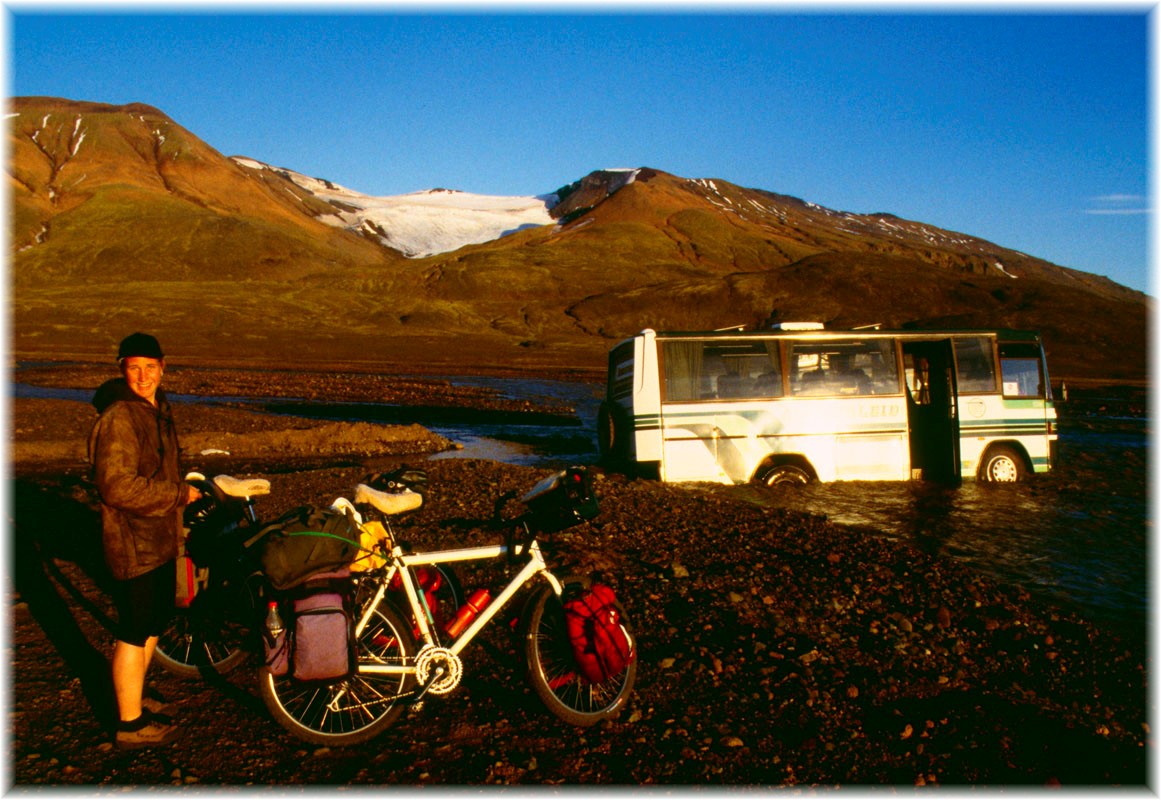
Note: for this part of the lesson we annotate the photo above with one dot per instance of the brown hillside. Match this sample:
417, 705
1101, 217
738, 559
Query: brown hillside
1108, 339
104, 193
122, 219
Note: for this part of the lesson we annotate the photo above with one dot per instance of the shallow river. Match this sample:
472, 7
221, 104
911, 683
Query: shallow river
1083, 548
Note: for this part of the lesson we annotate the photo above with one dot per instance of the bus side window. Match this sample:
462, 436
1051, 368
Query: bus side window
1020, 370
684, 364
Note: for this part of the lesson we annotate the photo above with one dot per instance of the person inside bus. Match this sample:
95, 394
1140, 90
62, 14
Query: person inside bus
768, 384
731, 384
848, 379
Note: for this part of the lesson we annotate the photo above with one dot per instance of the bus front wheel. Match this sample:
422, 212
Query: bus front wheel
1003, 465
780, 474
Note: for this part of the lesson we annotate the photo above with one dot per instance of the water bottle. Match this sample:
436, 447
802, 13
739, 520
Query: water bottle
468, 611
273, 620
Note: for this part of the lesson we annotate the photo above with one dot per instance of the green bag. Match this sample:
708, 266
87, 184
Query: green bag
306, 541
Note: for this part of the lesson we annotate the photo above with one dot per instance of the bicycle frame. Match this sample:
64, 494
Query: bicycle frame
401, 563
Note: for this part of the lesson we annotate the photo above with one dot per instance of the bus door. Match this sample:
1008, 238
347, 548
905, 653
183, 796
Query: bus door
932, 421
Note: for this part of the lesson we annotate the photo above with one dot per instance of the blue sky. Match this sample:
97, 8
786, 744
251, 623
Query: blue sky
1027, 129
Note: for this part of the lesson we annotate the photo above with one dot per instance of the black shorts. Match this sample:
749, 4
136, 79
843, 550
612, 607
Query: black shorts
145, 604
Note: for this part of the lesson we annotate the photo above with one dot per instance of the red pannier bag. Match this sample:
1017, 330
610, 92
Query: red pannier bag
599, 642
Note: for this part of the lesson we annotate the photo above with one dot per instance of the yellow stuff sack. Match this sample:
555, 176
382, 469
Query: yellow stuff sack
370, 534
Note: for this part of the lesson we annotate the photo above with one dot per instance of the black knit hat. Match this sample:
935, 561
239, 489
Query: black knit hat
139, 344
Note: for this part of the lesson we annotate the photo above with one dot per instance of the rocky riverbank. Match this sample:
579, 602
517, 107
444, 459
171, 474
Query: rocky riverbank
776, 649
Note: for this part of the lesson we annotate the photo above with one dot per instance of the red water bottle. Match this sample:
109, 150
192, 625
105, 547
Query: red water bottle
468, 611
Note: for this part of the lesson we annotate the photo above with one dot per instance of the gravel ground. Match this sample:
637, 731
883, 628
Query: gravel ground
775, 649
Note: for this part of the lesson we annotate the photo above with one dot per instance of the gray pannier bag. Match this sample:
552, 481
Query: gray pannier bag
317, 643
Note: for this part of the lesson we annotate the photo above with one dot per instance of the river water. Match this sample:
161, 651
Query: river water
1084, 546
1079, 536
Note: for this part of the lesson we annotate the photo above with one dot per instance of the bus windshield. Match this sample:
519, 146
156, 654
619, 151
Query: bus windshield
1020, 370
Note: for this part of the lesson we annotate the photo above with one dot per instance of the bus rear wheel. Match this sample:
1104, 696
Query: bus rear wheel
612, 433
783, 474
1003, 465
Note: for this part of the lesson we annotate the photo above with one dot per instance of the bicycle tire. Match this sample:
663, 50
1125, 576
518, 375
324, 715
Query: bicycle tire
354, 710
213, 633
552, 671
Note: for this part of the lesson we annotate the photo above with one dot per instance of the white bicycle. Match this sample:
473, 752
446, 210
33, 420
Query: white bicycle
403, 657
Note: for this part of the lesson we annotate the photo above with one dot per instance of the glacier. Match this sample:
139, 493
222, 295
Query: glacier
423, 223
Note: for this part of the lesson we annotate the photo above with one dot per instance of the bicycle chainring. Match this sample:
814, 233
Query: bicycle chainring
432, 658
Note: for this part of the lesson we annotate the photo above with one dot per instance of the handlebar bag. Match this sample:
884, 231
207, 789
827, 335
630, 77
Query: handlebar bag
562, 500
600, 644
307, 541
216, 533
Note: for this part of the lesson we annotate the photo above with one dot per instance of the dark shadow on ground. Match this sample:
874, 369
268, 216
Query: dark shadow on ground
60, 520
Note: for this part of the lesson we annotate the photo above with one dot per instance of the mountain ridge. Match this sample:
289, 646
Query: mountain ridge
107, 197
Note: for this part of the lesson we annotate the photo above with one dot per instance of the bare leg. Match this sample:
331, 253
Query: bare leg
129, 665
150, 646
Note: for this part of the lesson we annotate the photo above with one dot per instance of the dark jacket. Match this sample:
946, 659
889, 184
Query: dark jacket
134, 452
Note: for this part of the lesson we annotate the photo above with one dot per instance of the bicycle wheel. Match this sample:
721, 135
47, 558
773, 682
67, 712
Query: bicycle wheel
212, 633
355, 710
552, 670
188, 648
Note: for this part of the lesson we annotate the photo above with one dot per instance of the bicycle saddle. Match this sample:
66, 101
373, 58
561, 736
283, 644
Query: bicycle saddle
388, 502
242, 487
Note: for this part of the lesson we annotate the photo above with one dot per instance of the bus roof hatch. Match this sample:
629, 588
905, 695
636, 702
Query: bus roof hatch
798, 326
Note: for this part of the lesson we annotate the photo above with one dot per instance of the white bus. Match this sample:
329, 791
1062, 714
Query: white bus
799, 403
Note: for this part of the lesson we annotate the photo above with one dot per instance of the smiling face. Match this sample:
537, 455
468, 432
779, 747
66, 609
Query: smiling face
143, 376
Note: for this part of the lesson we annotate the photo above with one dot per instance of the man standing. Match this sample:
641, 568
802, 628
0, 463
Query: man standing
134, 452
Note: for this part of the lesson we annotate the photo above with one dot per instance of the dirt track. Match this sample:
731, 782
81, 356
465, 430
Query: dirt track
776, 649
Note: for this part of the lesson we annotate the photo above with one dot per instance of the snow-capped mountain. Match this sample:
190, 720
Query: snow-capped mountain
422, 223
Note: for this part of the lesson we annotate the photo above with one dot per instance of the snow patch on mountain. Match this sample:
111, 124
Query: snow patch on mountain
1003, 270
423, 223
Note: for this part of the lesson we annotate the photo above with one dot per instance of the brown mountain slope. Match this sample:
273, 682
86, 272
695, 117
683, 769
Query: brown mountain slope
122, 219
106, 193
1085, 337
717, 223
